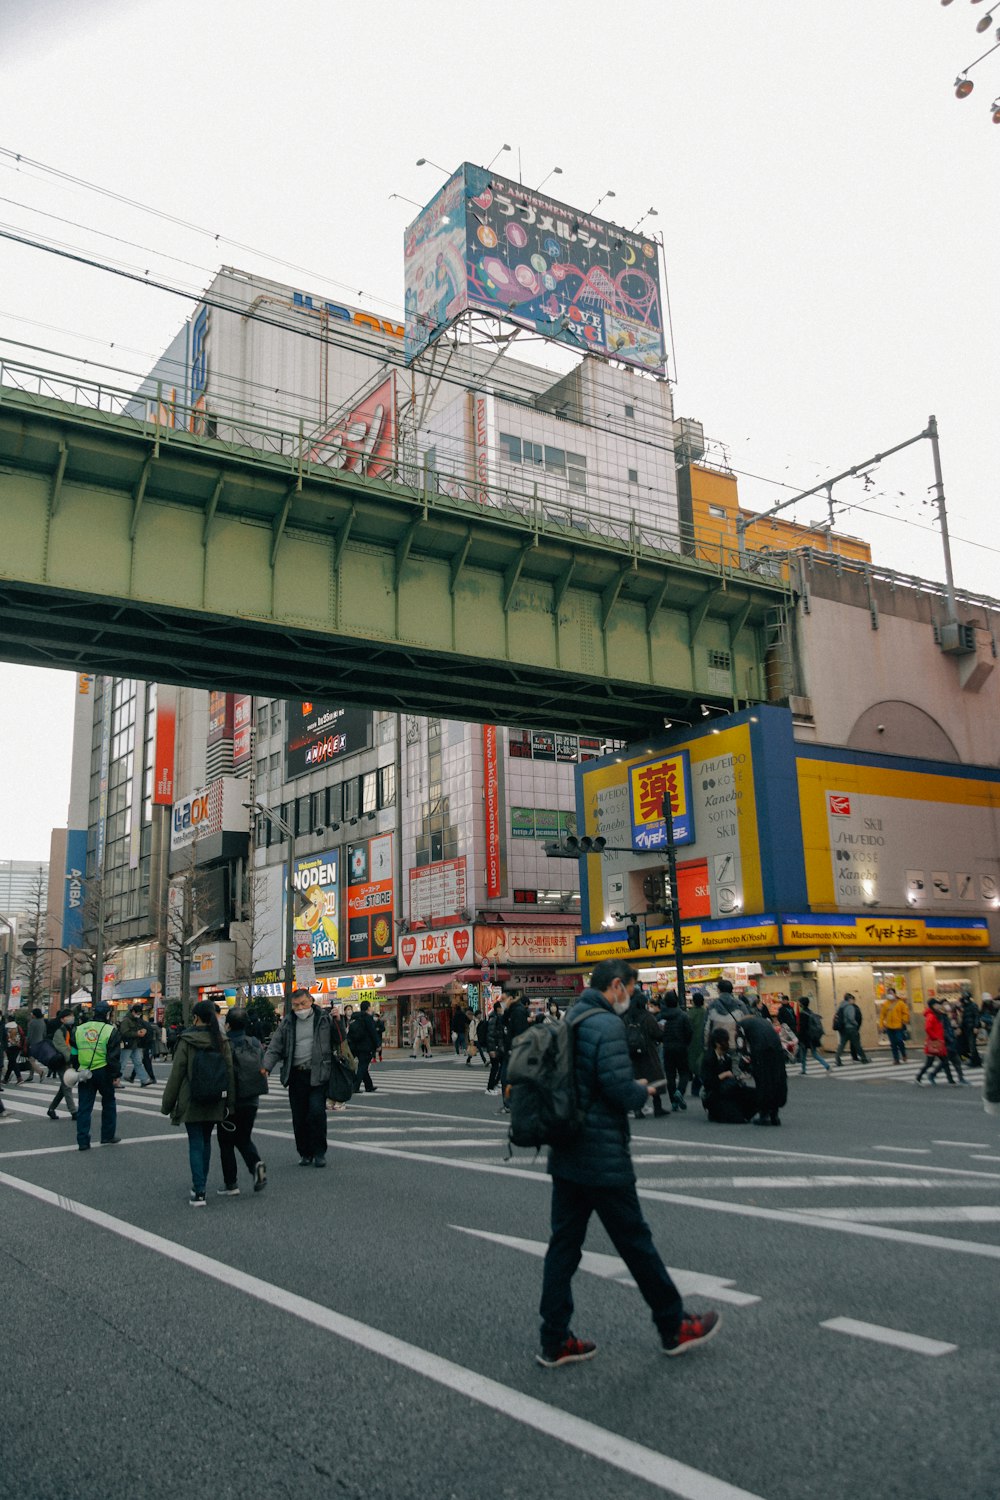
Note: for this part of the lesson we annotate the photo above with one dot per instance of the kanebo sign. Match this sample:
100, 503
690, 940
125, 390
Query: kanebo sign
217, 809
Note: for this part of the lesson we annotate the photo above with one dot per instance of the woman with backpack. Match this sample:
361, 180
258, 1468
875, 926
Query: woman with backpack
200, 1091
250, 1078
642, 1033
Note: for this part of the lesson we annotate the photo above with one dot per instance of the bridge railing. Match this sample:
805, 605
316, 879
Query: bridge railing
156, 411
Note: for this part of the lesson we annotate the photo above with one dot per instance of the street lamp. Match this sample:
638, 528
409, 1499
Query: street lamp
278, 821
30, 948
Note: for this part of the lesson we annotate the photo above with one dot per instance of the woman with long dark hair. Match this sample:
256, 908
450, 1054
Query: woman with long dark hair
200, 1091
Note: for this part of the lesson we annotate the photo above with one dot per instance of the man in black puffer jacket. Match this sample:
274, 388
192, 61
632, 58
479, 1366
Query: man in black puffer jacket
594, 1174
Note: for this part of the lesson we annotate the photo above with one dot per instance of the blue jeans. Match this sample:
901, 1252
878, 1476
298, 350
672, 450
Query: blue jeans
135, 1055
618, 1210
99, 1082
804, 1051
200, 1152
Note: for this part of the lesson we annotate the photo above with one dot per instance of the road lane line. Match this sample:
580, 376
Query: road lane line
969, 1145
655, 1469
914, 1342
906, 1150
707, 1205
797, 1184
971, 1214
127, 1140
612, 1268
985, 1158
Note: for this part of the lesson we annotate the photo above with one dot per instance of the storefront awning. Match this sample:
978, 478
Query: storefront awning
137, 989
421, 984
475, 976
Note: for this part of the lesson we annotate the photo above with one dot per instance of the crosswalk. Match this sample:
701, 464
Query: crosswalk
879, 1069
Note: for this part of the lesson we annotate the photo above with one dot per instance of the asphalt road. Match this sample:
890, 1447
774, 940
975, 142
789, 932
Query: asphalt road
370, 1331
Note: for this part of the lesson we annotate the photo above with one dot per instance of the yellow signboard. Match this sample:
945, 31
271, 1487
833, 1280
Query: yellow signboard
884, 932
695, 938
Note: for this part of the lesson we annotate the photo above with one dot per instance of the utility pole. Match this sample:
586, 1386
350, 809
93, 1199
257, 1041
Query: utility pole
932, 433
289, 836
675, 910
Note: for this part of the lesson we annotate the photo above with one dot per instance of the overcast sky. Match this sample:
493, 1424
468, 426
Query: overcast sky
829, 213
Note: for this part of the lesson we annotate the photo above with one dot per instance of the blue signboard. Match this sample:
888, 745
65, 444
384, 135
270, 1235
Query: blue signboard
76, 866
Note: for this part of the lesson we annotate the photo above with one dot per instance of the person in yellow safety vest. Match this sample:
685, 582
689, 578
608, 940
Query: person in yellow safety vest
97, 1050
893, 1017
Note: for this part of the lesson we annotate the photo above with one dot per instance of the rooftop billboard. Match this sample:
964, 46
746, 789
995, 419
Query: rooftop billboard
491, 245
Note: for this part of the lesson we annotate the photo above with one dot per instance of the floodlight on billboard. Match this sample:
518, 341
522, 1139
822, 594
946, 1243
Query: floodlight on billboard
487, 244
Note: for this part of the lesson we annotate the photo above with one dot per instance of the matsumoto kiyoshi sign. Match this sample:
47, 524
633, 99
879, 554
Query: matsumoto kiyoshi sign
487, 243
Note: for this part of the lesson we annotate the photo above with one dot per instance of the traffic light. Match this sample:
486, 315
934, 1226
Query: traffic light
571, 847
656, 889
633, 936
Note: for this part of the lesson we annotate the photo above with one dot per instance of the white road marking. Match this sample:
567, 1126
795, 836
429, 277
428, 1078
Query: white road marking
914, 1342
972, 1214
819, 1180
128, 1140
706, 1205
656, 1469
906, 1150
970, 1145
611, 1268
985, 1158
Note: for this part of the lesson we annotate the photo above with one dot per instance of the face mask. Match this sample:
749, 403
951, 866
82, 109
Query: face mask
304, 1012
621, 1006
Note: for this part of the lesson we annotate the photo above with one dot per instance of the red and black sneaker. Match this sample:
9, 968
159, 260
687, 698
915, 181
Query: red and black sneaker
693, 1331
570, 1352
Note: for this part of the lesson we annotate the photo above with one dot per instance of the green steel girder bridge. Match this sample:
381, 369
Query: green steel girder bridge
242, 561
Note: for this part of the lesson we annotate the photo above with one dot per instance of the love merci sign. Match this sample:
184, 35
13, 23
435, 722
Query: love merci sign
442, 948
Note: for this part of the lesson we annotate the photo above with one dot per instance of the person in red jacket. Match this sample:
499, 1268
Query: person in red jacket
935, 1047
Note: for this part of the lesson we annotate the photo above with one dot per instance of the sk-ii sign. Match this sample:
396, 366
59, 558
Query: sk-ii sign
652, 787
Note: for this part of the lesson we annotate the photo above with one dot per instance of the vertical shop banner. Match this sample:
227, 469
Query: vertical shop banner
163, 745
220, 717
315, 881
438, 892
491, 786
652, 786
242, 730
76, 865
370, 899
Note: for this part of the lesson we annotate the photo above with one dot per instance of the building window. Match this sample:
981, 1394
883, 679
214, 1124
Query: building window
718, 511
720, 661
303, 815
351, 797
387, 786
629, 410
510, 447
275, 770
275, 716
633, 476
369, 792
262, 721
335, 802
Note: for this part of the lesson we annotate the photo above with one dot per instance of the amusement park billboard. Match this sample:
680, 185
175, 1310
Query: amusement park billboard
490, 245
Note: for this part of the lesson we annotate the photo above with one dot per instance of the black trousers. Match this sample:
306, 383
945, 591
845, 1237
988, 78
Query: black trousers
618, 1210
241, 1140
362, 1077
308, 1105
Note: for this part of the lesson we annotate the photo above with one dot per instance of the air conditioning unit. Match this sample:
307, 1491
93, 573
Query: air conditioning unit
956, 639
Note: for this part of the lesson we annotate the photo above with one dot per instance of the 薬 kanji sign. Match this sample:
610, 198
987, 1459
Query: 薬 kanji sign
652, 786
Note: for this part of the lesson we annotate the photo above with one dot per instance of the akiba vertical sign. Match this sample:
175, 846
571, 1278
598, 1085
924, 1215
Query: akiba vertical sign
491, 801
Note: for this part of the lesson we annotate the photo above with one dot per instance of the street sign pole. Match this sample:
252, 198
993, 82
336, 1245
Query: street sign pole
675, 910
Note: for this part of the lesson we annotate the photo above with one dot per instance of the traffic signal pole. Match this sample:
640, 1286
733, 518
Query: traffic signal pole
675, 910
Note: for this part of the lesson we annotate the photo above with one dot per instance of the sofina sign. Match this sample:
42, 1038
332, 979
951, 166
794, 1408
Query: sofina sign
652, 786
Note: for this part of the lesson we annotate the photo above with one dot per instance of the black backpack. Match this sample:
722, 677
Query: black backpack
635, 1036
543, 1104
208, 1077
814, 1029
248, 1058
357, 1035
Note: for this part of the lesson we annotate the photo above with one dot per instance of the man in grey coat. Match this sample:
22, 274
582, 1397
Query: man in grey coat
303, 1044
594, 1174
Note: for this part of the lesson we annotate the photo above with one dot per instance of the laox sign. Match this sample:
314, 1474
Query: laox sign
189, 813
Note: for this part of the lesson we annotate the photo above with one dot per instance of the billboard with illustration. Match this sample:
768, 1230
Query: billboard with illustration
317, 917
370, 899
493, 245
